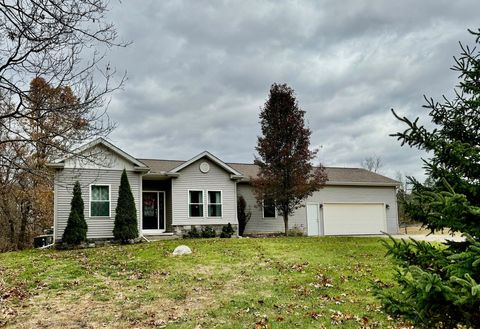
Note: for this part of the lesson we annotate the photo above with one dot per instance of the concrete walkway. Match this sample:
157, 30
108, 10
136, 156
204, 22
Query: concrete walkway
431, 237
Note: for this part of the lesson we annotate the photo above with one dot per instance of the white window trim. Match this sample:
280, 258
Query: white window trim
263, 212
221, 203
203, 204
109, 201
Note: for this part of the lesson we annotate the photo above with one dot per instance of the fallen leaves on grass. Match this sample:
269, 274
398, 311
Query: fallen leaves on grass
338, 318
15, 292
323, 281
314, 315
288, 267
336, 299
8, 312
262, 323
303, 291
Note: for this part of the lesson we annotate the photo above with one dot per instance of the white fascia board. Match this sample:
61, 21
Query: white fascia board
105, 143
210, 157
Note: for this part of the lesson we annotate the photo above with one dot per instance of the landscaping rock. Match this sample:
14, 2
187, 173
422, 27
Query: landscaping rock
182, 250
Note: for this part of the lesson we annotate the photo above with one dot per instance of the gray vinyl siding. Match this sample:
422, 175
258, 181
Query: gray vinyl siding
191, 178
98, 227
257, 223
333, 194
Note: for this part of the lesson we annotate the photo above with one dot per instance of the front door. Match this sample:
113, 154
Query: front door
153, 211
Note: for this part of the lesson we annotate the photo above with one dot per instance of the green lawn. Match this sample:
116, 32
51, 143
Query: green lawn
225, 283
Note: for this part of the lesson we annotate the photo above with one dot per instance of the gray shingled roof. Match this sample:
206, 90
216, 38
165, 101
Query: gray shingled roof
336, 175
160, 166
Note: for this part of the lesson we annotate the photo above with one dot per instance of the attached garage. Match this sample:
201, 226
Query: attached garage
354, 201
354, 218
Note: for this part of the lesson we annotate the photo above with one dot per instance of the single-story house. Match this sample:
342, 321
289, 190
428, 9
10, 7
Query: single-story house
172, 196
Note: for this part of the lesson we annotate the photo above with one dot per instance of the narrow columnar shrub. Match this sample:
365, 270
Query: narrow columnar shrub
76, 230
126, 225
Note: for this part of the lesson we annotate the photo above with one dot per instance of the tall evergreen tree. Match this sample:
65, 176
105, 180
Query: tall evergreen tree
439, 286
243, 215
76, 230
286, 175
126, 225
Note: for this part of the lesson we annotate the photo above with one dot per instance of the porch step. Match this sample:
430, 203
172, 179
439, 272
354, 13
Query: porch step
164, 236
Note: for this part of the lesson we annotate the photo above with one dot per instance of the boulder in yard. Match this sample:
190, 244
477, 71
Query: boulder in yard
182, 250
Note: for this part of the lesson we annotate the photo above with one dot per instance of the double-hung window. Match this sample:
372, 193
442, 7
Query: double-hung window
99, 201
195, 203
214, 204
269, 210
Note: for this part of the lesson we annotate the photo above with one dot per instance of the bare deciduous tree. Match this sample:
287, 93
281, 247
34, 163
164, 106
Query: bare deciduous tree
60, 41
54, 84
372, 163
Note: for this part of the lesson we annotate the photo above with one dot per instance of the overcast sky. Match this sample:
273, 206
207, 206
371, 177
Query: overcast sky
199, 72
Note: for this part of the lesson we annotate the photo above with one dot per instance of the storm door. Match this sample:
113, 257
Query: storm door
153, 211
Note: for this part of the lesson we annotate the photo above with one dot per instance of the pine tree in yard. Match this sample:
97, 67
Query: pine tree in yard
76, 230
286, 175
126, 226
439, 286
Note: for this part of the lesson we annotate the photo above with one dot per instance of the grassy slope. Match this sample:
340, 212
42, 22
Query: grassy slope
294, 282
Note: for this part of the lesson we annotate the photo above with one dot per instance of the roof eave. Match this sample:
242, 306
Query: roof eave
108, 145
162, 174
141, 169
246, 179
378, 184
56, 165
237, 177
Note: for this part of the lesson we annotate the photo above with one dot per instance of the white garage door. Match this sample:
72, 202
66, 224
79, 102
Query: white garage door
353, 218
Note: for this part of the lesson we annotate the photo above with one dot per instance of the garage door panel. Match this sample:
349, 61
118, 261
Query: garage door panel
351, 218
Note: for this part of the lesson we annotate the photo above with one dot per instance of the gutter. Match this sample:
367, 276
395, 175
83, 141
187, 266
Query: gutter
162, 173
55, 165
333, 183
141, 169
378, 184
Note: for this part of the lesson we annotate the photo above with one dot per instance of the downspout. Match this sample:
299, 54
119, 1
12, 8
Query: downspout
55, 206
140, 205
236, 207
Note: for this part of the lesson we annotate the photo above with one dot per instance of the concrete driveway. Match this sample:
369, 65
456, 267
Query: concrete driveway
431, 237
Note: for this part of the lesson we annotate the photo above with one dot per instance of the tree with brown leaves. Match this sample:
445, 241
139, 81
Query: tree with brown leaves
53, 88
286, 174
27, 192
64, 42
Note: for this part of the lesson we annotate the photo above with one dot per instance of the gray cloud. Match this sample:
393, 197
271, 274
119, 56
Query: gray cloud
199, 71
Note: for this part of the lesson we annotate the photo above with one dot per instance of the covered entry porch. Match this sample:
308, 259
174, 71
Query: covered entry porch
156, 206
